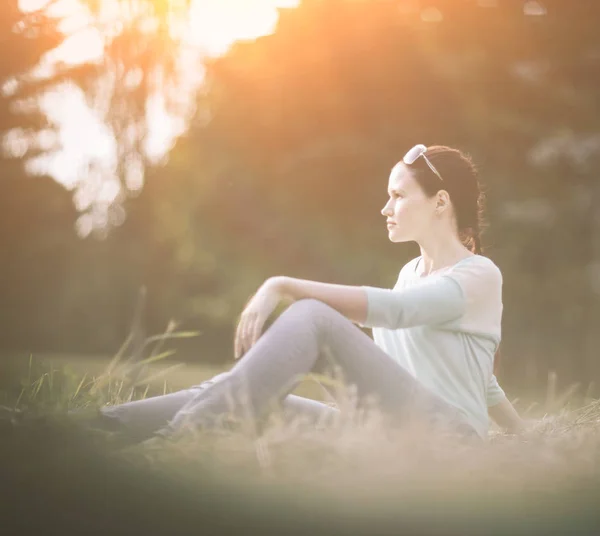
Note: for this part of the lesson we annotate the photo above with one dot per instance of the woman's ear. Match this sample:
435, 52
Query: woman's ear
442, 201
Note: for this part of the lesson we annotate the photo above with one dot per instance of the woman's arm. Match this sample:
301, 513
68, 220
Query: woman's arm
347, 300
506, 416
431, 302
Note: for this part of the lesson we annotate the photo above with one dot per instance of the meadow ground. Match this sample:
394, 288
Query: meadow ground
355, 477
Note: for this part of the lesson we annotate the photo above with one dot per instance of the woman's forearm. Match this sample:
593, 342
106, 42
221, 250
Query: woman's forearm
506, 416
348, 300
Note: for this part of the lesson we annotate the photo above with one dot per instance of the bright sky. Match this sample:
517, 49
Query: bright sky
86, 159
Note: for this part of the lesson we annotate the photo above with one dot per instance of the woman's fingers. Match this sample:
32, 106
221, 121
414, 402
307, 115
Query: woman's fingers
246, 336
249, 329
236, 343
247, 333
256, 330
238, 346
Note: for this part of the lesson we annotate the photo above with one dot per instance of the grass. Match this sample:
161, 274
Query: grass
356, 474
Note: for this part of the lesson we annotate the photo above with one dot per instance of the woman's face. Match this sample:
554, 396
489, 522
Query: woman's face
409, 211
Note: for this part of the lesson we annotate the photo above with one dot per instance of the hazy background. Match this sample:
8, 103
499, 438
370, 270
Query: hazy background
144, 146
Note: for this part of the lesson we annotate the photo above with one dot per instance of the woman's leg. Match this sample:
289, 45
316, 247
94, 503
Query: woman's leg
141, 418
307, 337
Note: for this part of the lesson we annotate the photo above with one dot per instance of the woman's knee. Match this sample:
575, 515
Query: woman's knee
311, 307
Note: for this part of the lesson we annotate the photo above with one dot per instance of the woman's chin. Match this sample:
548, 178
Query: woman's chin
395, 236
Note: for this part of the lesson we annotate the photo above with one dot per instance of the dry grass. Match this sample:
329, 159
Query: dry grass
358, 464
556, 453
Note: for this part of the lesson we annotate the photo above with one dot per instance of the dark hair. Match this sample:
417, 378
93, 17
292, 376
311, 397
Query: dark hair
461, 181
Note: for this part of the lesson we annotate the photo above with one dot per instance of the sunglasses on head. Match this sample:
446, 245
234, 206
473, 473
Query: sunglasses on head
419, 150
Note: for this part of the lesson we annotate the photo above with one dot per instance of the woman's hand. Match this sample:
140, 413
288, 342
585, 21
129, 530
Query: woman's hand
255, 314
506, 416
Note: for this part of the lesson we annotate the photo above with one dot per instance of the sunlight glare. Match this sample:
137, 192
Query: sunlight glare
80, 47
213, 26
86, 160
216, 26
32, 5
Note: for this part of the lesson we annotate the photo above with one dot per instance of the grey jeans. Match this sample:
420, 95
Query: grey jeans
309, 336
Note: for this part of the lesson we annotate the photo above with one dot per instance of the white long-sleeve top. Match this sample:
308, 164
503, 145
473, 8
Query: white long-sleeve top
445, 329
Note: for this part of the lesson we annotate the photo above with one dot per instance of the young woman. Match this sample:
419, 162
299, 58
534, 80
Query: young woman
435, 334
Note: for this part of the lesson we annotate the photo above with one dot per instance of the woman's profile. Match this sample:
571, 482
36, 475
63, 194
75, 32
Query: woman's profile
435, 333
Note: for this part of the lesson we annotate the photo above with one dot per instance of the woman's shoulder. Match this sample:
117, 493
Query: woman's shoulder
473, 265
410, 267
484, 262
477, 265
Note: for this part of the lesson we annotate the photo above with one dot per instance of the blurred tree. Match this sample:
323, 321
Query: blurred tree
36, 215
141, 88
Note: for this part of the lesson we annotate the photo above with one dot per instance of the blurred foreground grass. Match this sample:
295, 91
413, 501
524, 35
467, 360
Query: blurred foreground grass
355, 477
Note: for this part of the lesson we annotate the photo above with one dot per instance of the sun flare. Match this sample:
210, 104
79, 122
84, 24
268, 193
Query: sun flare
213, 26
217, 25
210, 27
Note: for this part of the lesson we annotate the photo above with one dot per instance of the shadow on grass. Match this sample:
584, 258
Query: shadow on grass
62, 478
59, 478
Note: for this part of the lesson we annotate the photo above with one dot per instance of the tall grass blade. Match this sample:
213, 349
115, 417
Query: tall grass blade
155, 358
78, 389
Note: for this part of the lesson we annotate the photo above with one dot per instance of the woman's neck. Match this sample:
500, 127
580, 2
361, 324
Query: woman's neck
437, 253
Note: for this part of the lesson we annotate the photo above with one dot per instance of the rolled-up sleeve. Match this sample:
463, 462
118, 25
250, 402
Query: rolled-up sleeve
433, 302
494, 394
